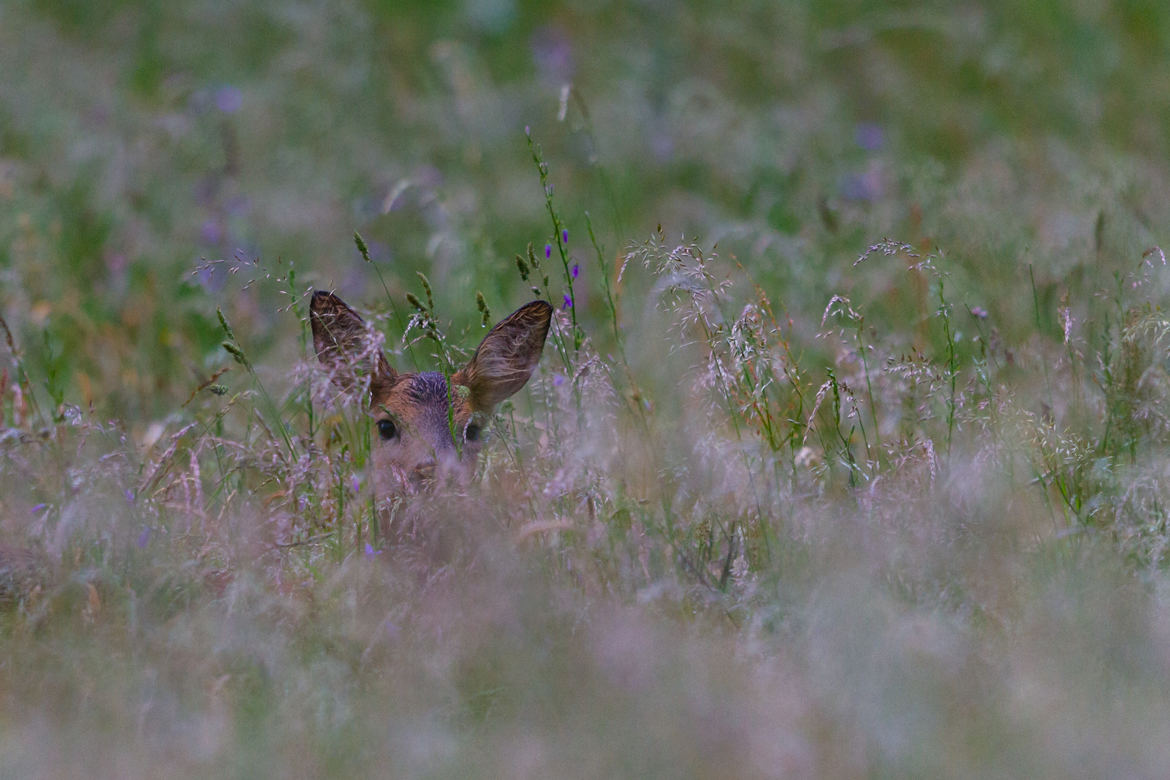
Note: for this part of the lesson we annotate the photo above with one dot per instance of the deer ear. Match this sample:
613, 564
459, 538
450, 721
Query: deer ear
347, 346
507, 356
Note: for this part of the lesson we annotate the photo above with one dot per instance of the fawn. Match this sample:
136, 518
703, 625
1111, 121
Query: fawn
418, 416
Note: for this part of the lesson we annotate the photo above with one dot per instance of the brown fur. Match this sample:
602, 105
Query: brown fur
421, 406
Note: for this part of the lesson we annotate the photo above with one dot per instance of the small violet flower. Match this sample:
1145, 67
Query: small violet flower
547, 251
371, 553
229, 99
211, 232
38, 508
558, 380
576, 270
129, 494
568, 302
565, 236
143, 538
869, 136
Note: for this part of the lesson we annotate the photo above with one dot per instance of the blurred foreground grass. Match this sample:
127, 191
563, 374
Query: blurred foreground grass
847, 459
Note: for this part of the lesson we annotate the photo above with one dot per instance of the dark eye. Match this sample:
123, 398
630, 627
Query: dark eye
472, 432
386, 429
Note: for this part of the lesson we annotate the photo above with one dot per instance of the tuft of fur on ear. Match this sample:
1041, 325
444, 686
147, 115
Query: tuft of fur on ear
347, 346
507, 356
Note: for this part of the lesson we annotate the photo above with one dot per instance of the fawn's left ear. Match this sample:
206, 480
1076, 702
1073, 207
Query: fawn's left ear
348, 347
507, 356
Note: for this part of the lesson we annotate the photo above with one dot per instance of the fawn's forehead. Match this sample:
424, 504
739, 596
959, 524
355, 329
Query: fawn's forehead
420, 393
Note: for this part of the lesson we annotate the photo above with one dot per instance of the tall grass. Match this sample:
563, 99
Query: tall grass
845, 456
760, 564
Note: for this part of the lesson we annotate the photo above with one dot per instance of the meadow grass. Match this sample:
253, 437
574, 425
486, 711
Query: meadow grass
846, 455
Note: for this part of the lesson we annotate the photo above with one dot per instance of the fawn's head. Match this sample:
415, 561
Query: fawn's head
417, 416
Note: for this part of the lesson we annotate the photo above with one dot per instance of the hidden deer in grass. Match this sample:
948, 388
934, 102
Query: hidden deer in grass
427, 431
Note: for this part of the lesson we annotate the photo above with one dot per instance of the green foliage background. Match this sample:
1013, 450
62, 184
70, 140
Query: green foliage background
943, 555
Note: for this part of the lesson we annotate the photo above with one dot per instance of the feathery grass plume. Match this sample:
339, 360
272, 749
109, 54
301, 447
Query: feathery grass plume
223, 323
426, 285
363, 250
237, 354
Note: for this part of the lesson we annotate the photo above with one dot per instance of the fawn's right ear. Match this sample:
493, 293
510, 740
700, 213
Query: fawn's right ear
507, 356
347, 346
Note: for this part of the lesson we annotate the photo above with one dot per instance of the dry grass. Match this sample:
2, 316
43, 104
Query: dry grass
864, 480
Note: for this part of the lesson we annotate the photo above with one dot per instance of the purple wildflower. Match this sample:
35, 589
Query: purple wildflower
576, 270
371, 553
979, 312
355, 483
129, 495
228, 99
547, 251
143, 538
869, 136
38, 508
864, 186
558, 380
565, 236
552, 53
211, 232
567, 303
